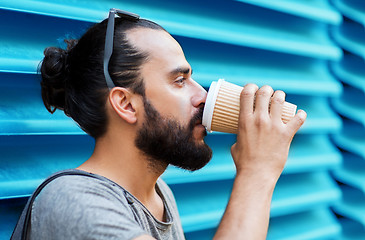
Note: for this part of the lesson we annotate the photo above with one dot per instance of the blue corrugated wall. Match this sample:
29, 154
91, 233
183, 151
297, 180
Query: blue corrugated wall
313, 50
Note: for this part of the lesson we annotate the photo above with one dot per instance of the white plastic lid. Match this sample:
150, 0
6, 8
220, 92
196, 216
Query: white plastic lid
210, 103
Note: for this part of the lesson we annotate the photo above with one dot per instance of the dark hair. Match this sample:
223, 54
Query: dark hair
73, 78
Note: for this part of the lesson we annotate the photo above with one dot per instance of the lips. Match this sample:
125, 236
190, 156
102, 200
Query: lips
197, 119
199, 122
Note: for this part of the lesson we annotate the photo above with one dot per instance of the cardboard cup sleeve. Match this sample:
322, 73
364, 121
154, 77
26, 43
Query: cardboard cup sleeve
222, 108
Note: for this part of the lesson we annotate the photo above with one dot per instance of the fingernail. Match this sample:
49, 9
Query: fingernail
302, 114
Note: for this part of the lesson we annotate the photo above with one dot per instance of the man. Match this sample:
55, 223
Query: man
150, 117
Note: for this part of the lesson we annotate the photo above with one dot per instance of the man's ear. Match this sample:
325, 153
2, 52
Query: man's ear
122, 102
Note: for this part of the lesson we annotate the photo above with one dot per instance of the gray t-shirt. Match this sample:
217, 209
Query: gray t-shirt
80, 207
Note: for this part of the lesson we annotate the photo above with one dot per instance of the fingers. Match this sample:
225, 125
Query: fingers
257, 101
248, 98
262, 101
298, 120
277, 103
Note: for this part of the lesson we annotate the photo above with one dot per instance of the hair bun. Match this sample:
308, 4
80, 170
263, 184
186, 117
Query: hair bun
54, 75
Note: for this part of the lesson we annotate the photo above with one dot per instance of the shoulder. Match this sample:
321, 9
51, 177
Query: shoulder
77, 189
75, 196
84, 205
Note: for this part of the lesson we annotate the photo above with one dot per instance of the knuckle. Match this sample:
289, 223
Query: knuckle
243, 124
280, 93
267, 88
251, 85
299, 121
265, 91
279, 96
261, 120
246, 122
278, 99
248, 92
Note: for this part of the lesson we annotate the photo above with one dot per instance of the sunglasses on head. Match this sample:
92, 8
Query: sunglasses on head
108, 49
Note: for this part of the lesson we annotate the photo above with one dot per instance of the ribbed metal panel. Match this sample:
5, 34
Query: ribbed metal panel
294, 46
350, 106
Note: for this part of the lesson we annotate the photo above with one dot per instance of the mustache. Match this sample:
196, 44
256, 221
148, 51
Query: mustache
197, 118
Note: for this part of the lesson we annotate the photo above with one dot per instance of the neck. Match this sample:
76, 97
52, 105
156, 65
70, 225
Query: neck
121, 162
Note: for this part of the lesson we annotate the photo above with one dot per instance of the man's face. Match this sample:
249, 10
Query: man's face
165, 141
171, 131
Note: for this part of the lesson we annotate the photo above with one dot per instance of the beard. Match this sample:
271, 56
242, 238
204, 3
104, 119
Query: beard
164, 141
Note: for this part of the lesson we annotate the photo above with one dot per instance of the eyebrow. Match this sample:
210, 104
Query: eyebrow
179, 70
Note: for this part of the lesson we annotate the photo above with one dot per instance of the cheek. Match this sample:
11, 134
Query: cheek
177, 108
172, 102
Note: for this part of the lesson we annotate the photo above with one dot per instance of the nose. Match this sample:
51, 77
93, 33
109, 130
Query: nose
199, 94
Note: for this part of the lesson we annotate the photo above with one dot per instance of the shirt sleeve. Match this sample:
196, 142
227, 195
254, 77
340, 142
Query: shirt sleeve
77, 207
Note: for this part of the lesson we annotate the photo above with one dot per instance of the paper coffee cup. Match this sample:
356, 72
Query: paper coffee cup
222, 108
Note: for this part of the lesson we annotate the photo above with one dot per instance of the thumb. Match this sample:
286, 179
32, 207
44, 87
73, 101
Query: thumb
297, 121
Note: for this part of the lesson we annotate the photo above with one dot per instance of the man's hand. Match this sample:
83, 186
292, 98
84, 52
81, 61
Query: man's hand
263, 139
260, 153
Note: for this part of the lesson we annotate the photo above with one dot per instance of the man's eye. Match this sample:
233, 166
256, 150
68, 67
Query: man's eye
180, 80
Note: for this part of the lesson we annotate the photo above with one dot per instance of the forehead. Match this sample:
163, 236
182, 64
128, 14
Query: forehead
161, 47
